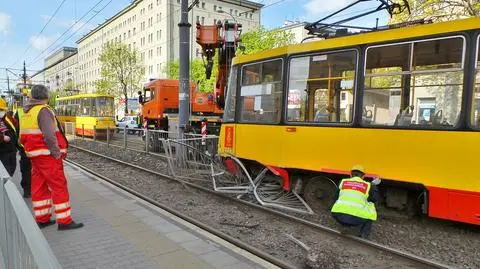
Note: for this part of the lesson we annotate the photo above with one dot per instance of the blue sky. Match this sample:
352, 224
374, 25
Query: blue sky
22, 20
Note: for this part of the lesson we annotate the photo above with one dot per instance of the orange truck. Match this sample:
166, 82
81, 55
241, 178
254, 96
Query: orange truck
160, 102
160, 97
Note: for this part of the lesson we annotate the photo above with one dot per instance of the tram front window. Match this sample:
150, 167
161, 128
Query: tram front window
261, 92
104, 107
321, 87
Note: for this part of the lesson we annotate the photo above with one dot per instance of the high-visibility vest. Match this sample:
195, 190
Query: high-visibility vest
352, 199
10, 123
32, 137
19, 115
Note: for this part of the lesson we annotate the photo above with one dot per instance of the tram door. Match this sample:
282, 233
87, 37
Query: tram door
325, 83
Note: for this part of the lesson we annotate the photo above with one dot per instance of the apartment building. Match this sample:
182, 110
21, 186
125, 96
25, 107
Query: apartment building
60, 70
151, 27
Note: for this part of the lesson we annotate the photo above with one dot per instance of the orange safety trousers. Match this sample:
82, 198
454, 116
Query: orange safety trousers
50, 185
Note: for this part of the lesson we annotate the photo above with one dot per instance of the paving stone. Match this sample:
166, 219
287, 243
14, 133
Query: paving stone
199, 247
181, 259
166, 227
121, 233
181, 236
219, 259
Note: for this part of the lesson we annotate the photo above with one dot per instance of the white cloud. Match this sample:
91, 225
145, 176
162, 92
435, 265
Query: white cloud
42, 42
5, 23
317, 8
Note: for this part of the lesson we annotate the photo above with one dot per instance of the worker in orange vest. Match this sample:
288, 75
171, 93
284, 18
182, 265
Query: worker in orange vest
46, 146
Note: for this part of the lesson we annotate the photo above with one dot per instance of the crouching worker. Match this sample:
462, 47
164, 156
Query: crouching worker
354, 207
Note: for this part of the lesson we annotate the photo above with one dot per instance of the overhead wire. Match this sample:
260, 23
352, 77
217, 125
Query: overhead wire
41, 31
66, 31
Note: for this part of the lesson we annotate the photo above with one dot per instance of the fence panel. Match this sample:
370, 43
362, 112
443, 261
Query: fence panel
22, 243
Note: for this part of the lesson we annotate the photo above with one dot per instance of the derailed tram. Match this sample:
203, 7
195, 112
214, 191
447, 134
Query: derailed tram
404, 103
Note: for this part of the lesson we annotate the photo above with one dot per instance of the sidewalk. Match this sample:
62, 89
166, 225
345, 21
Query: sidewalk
122, 232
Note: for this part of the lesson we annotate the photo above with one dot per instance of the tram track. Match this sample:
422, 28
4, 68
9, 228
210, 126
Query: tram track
360, 245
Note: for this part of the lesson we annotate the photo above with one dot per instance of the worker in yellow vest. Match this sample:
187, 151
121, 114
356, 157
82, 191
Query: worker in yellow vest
8, 138
355, 203
25, 164
46, 146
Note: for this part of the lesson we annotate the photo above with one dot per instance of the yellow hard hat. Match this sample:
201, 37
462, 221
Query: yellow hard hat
358, 168
3, 104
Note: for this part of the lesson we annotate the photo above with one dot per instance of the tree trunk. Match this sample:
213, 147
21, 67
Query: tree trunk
126, 99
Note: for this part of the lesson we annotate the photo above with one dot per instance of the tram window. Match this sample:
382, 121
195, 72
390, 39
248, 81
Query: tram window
321, 87
261, 92
416, 84
104, 106
229, 114
475, 117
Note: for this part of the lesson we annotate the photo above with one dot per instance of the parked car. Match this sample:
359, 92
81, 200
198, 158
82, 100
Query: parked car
127, 122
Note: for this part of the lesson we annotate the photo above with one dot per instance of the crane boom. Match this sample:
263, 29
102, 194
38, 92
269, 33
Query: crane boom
224, 37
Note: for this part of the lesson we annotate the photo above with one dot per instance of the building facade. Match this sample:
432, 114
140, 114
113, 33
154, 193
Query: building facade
151, 28
60, 70
296, 28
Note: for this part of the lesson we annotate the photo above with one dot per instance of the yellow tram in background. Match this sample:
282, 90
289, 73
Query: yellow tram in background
90, 113
404, 103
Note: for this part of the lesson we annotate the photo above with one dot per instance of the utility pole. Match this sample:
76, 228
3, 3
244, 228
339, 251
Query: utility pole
24, 75
184, 93
8, 80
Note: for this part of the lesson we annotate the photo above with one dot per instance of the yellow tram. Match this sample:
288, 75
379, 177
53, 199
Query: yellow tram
404, 103
90, 113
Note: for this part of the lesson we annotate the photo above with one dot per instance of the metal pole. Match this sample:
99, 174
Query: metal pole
108, 136
146, 140
24, 75
8, 80
184, 93
94, 133
125, 137
83, 131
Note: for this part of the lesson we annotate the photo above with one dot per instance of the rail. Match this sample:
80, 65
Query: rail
22, 244
320, 228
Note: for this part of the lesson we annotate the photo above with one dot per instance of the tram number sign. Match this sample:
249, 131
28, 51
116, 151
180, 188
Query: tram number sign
229, 137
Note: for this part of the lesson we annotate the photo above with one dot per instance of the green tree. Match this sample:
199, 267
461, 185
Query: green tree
261, 39
439, 10
121, 71
197, 68
256, 40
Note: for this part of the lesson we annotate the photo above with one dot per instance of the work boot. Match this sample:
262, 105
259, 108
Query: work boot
72, 225
45, 224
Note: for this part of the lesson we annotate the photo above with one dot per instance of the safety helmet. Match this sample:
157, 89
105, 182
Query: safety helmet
3, 104
358, 168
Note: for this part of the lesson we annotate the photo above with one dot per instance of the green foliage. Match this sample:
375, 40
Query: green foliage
261, 39
257, 40
121, 71
197, 73
439, 10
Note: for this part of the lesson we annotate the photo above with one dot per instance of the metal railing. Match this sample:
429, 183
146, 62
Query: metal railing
22, 244
136, 139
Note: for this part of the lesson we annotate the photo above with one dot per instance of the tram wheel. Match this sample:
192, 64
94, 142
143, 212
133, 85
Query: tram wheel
320, 192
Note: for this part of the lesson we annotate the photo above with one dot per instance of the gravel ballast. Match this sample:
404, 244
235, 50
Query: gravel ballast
451, 243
